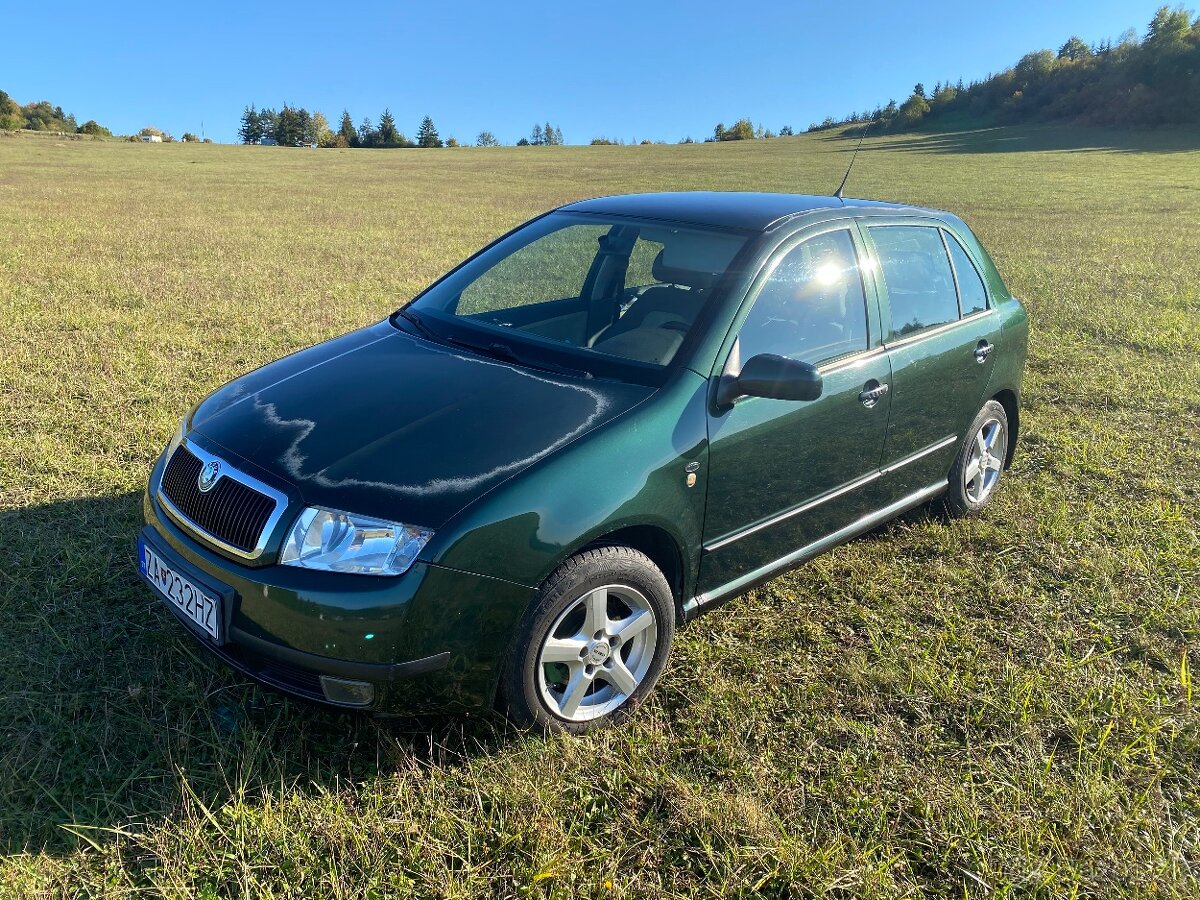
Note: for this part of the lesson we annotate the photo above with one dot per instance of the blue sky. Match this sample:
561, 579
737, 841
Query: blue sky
629, 70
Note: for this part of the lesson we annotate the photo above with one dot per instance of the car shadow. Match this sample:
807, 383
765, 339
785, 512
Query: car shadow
1024, 139
110, 713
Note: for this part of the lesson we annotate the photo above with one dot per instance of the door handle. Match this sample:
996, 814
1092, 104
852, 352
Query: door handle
870, 395
982, 351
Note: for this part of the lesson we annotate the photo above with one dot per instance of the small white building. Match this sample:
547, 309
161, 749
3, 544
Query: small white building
152, 138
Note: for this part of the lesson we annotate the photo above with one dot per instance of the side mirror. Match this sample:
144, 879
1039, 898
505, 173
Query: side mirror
775, 377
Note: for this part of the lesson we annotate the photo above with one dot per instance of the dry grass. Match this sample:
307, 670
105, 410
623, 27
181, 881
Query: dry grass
996, 707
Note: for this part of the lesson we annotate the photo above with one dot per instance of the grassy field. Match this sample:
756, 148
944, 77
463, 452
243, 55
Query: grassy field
998, 707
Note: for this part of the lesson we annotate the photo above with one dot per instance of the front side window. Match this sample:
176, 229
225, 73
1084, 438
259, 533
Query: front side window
916, 273
588, 285
813, 307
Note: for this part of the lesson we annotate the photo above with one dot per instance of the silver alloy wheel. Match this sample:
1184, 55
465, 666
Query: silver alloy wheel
986, 462
597, 653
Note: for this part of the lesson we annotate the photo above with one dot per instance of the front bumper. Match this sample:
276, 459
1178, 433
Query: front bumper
278, 665
433, 639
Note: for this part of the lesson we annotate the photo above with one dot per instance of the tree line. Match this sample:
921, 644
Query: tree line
1146, 83
295, 126
548, 136
42, 116
744, 130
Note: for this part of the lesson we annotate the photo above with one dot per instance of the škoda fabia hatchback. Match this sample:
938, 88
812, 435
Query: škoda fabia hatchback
608, 421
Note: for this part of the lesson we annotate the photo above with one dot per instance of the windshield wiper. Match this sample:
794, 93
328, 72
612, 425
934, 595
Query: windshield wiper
418, 324
504, 352
494, 349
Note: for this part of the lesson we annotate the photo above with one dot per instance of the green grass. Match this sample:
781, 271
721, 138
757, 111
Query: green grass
997, 707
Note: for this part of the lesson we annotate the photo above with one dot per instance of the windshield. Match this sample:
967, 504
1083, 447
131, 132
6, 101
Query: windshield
599, 287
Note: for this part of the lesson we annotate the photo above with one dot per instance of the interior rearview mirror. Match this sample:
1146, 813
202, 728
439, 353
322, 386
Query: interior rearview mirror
775, 377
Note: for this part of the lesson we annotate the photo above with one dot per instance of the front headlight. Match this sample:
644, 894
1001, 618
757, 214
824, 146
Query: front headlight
177, 437
341, 542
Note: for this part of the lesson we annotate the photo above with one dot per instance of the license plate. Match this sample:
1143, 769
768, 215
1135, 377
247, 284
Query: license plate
189, 598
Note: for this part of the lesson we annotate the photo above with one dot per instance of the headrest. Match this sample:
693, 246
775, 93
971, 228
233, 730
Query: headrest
690, 257
672, 275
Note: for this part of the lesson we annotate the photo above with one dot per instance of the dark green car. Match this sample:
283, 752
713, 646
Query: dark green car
603, 424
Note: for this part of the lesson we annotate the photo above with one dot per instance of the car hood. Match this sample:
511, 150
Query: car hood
383, 423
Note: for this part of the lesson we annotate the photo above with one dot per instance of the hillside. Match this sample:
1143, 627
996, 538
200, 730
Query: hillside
1150, 82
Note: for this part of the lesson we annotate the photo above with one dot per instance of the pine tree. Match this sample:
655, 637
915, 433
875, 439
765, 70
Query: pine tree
558, 138
366, 134
427, 135
285, 128
347, 130
250, 131
535, 137
293, 127
387, 136
548, 134
268, 119
1169, 26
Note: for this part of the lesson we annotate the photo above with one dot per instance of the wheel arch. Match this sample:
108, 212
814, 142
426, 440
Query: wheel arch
658, 544
1012, 409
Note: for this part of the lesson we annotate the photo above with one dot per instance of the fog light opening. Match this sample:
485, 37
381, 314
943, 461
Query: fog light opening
346, 692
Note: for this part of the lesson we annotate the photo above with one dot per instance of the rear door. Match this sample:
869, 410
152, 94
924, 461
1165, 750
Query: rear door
786, 473
941, 338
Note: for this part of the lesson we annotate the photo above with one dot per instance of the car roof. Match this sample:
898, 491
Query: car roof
745, 210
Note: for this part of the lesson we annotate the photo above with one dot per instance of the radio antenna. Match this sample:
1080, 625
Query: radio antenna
838, 192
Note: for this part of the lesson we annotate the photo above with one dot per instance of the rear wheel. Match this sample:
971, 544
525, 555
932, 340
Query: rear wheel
980, 462
593, 643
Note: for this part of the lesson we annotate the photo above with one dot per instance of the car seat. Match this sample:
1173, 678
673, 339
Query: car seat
654, 325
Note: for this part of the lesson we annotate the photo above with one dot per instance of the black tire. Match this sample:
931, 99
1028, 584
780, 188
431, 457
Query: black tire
534, 693
970, 488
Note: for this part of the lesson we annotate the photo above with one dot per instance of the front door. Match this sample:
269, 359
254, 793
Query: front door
786, 473
943, 341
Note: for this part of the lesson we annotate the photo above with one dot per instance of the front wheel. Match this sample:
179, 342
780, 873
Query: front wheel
980, 462
593, 643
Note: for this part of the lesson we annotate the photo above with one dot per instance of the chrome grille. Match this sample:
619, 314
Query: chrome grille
231, 512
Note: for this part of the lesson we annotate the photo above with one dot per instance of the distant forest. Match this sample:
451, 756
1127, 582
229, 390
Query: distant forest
41, 116
1147, 83
295, 126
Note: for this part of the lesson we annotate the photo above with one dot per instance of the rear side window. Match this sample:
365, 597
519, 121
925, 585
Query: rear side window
916, 272
971, 294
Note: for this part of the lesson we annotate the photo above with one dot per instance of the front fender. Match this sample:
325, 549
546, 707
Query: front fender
630, 472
